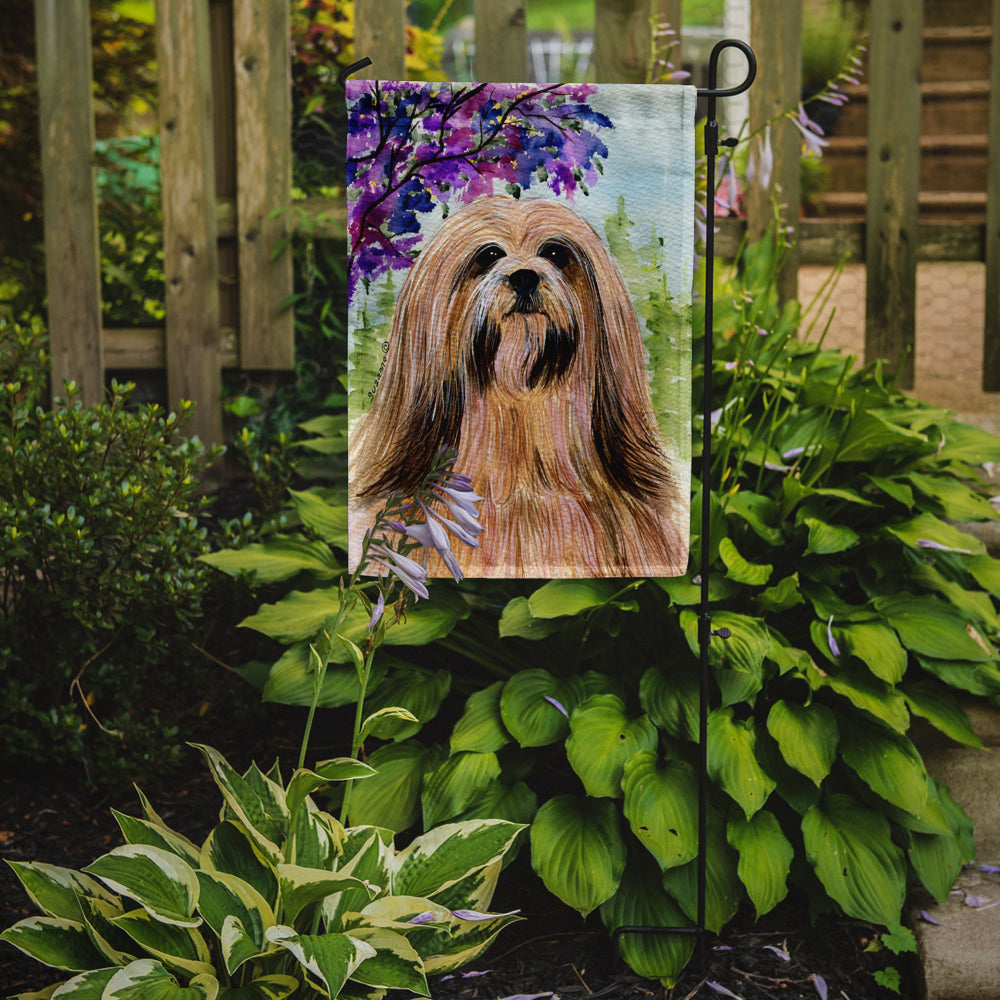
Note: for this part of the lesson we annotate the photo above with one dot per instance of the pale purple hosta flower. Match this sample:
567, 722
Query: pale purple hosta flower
761, 163
557, 704
431, 535
377, 612
461, 505
719, 988
834, 648
411, 573
927, 543
780, 952
812, 134
820, 983
475, 915
427, 917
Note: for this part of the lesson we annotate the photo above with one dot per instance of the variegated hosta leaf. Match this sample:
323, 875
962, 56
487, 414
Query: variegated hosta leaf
578, 851
481, 727
225, 897
116, 946
661, 799
732, 760
315, 838
328, 959
149, 980
367, 853
87, 986
765, 858
56, 891
274, 987
54, 941
475, 891
177, 947
230, 849
642, 902
141, 831
850, 847
441, 857
807, 736
602, 737
158, 880
256, 801
304, 782
395, 964
300, 887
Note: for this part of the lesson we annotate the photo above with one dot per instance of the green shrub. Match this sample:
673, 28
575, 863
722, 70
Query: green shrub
99, 539
279, 900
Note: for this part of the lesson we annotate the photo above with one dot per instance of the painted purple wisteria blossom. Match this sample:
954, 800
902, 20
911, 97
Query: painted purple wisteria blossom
416, 146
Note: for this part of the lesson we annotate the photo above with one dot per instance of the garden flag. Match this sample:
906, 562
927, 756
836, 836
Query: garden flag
520, 264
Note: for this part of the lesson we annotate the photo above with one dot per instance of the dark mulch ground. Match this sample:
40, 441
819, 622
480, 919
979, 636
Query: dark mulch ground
550, 952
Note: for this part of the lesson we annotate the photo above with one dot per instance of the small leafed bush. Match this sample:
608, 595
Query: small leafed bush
280, 899
99, 578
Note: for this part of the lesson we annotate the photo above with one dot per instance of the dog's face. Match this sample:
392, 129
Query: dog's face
510, 301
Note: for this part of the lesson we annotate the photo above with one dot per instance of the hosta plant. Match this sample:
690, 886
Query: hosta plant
279, 900
855, 604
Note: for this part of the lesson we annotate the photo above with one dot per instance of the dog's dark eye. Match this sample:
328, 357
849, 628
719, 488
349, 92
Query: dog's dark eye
488, 256
555, 252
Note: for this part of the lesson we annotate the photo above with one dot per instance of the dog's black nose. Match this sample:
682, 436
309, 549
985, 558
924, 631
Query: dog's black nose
524, 281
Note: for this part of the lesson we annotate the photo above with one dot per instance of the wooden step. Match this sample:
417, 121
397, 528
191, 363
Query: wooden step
946, 162
956, 53
956, 206
945, 104
940, 13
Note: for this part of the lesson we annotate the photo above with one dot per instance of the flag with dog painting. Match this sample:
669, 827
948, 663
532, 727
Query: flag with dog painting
520, 265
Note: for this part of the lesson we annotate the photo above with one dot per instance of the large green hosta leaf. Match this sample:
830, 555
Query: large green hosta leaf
577, 850
888, 763
558, 598
641, 901
941, 709
278, 558
723, 889
602, 738
535, 706
738, 661
932, 628
456, 785
807, 736
661, 805
876, 646
850, 848
391, 798
926, 528
670, 698
765, 858
481, 727
732, 760
416, 689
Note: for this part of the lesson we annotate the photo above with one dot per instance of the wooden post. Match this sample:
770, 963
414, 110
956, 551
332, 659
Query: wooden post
501, 41
776, 34
893, 183
991, 333
622, 40
380, 34
190, 254
262, 60
72, 256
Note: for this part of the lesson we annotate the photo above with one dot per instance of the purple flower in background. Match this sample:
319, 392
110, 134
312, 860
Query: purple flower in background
412, 574
811, 132
414, 146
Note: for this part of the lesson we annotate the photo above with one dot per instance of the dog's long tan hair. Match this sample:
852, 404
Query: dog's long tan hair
515, 341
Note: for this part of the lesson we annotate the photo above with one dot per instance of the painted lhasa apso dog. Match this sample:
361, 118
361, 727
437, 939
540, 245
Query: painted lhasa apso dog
514, 340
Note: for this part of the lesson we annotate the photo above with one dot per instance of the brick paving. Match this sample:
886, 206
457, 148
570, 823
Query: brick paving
949, 348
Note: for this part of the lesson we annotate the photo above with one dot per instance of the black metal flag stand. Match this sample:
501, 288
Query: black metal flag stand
705, 631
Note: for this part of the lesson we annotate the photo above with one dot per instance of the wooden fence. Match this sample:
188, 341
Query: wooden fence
226, 161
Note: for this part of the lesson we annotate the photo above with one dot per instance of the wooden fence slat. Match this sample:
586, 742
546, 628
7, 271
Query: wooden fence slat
776, 36
622, 40
501, 41
72, 256
380, 34
190, 253
991, 332
262, 60
893, 184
